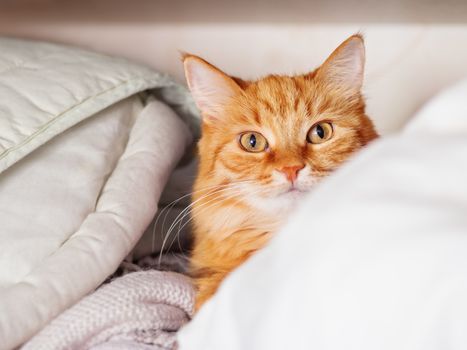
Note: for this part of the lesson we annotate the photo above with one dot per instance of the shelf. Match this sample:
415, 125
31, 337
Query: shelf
241, 11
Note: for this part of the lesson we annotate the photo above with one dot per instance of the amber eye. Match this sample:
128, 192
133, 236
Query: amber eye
253, 142
320, 133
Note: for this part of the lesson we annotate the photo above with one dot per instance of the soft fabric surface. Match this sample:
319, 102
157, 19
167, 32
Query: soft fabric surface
375, 258
46, 261
47, 88
84, 157
141, 310
445, 113
172, 206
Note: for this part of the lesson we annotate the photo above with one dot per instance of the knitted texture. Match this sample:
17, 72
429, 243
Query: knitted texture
142, 308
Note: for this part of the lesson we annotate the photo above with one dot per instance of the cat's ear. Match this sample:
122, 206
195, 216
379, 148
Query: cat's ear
344, 67
211, 88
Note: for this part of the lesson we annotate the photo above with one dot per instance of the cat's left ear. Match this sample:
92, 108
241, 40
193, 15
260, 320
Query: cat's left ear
211, 88
344, 67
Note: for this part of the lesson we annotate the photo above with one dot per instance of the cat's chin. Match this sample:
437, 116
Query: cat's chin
293, 191
290, 197
279, 204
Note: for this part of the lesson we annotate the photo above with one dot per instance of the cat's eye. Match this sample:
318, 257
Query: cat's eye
253, 142
320, 133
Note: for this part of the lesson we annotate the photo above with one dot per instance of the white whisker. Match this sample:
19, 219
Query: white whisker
172, 204
212, 205
181, 215
204, 207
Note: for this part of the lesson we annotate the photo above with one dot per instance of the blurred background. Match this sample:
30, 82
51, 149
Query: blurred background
414, 48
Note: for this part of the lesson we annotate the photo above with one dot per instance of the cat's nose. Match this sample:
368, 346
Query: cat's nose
291, 172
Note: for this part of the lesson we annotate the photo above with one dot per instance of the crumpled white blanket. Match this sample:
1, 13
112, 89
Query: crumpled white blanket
141, 310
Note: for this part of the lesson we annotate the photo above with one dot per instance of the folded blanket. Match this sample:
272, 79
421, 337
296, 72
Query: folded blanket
87, 144
141, 310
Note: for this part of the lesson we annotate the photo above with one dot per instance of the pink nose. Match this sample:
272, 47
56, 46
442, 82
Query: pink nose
291, 172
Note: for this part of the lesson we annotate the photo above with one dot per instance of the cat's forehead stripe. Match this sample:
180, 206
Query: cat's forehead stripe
266, 105
280, 96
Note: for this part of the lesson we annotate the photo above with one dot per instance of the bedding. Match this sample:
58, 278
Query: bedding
381, 266
142, 310
85, 152
374, 258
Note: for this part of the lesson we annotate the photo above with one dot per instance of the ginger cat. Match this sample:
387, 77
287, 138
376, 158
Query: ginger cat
264, 144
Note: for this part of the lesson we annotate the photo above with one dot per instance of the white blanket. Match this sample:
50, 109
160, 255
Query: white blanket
83, 161
375, 258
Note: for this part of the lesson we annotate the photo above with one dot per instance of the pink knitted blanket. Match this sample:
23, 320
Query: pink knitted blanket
141, 310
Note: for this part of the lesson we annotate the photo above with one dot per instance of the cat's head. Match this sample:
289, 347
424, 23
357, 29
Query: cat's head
272, 139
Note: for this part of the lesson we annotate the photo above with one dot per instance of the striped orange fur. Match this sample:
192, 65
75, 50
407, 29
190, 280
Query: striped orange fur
241, 197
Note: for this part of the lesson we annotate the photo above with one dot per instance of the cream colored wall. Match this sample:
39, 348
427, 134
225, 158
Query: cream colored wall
406, 64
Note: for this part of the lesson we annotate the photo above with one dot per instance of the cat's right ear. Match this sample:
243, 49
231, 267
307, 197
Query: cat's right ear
211, 88
344, 67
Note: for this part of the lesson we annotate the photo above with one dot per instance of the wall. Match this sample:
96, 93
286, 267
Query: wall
406, 62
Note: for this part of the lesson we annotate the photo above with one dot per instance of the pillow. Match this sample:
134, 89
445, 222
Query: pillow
445, 113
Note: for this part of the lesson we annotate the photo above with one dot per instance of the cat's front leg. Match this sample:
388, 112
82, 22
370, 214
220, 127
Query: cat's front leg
206, 285
212, 260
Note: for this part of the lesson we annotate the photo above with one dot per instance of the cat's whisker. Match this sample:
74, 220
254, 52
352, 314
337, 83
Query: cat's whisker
180, 226
169, 206
179, 218
163, 225
184, 211
205, 205
224, 188
210, 206
258, 191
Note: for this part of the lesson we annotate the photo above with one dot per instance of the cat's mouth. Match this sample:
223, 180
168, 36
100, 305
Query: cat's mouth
293, 190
